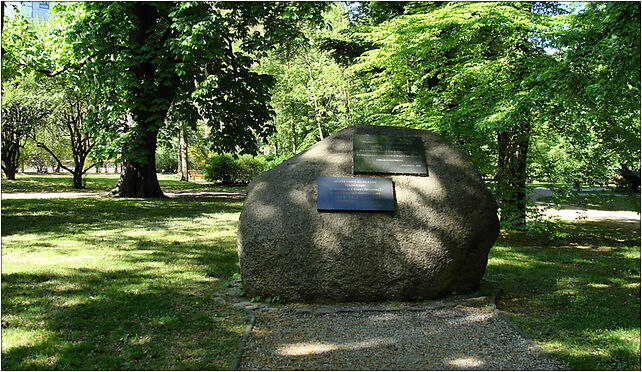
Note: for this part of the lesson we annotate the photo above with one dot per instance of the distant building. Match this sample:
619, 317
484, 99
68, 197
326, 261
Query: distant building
29, 9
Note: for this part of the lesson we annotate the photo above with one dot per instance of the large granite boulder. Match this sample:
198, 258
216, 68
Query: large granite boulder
435, 243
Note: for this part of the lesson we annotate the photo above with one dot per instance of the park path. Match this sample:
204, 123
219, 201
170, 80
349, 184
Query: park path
460, 332
571, 213
49, 195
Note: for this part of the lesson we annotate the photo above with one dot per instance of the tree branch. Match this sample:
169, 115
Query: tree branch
43, 146
91, 166
75, 66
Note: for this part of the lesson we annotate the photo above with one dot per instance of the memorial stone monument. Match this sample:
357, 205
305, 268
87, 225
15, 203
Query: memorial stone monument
369, 213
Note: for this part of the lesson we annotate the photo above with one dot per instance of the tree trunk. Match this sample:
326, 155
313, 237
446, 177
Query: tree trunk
512, 181
138, 179
179, 170
317, 115
10, 157
78, 180
293, 127
10, 172
183, 167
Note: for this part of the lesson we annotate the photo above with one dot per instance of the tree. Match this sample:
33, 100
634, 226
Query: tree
23, 110
145, 56
593, 91
312, 94
69, 121
36, 46
496, 77
462, 70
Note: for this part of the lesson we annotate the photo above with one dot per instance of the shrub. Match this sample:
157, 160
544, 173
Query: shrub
240, 171
220, 168
248, 167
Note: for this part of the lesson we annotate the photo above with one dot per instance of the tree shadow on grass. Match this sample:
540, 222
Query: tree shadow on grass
124, 319
580, 293
56, 215
151, 307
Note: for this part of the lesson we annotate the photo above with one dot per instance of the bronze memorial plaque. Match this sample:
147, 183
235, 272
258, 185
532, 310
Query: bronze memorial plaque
388, 154
355, 194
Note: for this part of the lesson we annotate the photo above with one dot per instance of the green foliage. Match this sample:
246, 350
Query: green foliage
592, 94
312, 95
452, 68
166, 159
220, 168
194, 55
230, 171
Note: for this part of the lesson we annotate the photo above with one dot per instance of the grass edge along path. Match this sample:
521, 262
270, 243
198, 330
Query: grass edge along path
110, 284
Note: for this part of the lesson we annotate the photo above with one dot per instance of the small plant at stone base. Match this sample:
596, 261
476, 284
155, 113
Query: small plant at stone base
268, 300
236, 276
274, 300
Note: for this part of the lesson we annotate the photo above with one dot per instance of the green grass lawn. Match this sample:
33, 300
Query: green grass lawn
103, 283
578, 297
100, 283
97, 183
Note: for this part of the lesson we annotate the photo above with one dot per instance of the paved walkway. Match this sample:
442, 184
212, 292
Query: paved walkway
571, 213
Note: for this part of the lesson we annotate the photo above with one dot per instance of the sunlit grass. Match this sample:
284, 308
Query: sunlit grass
118, 284
99, 283
97, 183
601, 200
578, 297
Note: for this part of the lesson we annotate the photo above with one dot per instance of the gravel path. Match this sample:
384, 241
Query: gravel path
469, 334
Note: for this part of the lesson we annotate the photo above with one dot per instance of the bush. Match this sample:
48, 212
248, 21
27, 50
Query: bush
240, 171
248, 167
220, 168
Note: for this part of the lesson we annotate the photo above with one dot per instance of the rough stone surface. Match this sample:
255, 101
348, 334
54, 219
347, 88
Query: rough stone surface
435, 243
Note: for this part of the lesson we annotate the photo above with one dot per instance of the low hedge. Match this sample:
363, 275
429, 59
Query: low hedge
228, 171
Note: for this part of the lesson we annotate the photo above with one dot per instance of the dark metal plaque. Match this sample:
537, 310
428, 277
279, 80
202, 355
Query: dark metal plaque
355, 194
388, 154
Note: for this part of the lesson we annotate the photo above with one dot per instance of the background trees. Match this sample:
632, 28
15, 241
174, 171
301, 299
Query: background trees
312, 96
495, 77
23, 111
527, 89
194, 55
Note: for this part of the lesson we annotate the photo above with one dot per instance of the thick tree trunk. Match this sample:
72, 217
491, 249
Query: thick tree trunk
10, 172
10, 156
138, 179
78, 180
511, 185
